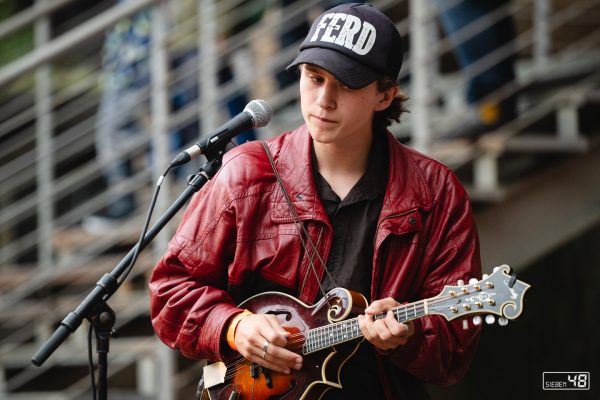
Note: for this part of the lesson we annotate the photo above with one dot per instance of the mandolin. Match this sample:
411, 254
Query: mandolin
327, 334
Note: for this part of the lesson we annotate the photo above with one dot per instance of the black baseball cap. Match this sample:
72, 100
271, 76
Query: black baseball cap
355, 42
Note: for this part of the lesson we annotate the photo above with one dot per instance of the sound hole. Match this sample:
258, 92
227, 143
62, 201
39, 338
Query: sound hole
288, 315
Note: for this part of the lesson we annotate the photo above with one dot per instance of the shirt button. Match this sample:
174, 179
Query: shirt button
298, 197
412, 220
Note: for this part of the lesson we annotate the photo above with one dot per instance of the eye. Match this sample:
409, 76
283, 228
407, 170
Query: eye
316, 78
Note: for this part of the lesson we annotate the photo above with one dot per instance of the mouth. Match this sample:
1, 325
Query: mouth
324, 120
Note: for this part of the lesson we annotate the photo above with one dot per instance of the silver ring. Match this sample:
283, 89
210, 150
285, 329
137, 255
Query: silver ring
265, 347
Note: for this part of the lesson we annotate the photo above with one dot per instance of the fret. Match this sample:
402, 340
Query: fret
356, 328
322, 337
319, 338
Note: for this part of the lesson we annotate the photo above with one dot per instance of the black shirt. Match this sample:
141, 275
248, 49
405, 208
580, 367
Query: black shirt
350, 261
354, 221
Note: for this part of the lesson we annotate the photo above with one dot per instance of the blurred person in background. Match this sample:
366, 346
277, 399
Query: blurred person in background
123, 116
123, 113
489, 99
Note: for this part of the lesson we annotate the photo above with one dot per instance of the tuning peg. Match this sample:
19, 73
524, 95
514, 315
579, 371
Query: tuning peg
490, 319
502, 321
473, 281
485, 276
477, 320
460, 282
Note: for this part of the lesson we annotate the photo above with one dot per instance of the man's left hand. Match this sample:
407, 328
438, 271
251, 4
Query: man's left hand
385, 333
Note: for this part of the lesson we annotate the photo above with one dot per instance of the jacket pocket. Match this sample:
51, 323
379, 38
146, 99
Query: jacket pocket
275, 257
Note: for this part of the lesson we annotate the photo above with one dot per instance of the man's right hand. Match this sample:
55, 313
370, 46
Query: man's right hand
261, 339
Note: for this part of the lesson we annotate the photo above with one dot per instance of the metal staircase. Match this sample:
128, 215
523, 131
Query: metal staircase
50, 178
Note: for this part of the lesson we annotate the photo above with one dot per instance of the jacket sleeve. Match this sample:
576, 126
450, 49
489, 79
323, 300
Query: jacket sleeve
189, 304
440, 351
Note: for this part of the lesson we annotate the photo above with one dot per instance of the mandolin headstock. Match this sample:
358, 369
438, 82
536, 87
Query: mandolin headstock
499, 294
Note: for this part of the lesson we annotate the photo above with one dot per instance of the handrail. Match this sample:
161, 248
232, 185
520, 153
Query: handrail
73, 38
495, 142
28, 16
80, 135
525, 39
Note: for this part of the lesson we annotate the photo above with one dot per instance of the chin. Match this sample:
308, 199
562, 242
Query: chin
320, 136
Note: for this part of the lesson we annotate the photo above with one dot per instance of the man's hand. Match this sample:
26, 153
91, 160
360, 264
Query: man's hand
261, 339
385, 333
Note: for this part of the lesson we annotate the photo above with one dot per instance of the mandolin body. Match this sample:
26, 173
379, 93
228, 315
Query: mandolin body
321, 369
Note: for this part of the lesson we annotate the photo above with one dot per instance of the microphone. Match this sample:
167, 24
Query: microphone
256, 114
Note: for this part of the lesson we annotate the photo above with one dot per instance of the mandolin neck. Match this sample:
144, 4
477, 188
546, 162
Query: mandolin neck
333, 334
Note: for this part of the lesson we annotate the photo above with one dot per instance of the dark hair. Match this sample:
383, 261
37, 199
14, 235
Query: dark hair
383, 119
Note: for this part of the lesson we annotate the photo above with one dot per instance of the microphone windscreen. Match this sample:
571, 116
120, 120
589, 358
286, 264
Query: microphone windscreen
260, 111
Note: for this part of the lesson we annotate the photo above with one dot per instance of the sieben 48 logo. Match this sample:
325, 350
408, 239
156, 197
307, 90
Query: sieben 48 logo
566, 381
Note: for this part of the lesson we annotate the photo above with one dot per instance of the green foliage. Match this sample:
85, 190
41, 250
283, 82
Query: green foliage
17, 43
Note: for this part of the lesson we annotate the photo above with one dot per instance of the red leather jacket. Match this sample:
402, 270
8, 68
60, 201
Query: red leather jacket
237, 231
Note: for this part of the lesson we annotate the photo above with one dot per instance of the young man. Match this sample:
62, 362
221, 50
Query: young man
366, 213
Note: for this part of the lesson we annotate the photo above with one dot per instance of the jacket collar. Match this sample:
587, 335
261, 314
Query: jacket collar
410, 190
293, 161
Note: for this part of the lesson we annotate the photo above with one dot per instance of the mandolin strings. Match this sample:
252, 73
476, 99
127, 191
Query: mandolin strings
297, 341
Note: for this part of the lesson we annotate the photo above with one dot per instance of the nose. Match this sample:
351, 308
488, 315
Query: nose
327, 95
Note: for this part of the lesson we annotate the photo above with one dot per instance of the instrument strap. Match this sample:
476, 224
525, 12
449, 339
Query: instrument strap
302, 232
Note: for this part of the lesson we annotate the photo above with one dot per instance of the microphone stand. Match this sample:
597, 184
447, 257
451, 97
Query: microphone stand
94, 307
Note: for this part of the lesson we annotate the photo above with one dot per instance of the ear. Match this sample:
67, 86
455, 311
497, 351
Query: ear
386, 98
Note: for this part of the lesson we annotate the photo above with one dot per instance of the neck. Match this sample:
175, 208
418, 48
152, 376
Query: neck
332, 334
342, 160
342, 165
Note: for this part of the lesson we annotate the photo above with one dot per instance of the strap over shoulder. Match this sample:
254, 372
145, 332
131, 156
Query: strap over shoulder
302, 233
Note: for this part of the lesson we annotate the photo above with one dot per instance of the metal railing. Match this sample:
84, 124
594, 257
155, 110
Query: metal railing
46, 126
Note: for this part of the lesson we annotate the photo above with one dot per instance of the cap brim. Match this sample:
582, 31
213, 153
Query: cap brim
351, 73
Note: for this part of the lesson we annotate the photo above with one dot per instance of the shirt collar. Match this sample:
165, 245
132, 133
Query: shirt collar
370, 186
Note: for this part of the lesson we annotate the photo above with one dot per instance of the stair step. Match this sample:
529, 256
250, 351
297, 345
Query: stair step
122, 351
67, 240
536, 142
78, 274
51, 311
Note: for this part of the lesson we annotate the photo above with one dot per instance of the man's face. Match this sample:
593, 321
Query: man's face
334, 113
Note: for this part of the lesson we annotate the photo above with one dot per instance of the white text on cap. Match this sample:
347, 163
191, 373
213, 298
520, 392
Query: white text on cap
346, 34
